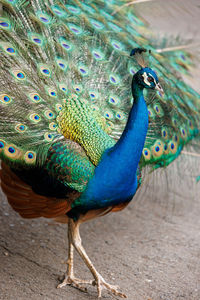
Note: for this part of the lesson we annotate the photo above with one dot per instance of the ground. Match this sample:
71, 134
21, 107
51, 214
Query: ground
151, 249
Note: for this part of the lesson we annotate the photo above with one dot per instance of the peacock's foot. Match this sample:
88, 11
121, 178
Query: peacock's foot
75, 282
102, 284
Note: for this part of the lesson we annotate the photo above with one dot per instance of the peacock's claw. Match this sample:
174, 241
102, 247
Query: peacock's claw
75, 282
102, 284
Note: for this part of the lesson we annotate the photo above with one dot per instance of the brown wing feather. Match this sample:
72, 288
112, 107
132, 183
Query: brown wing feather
29, 204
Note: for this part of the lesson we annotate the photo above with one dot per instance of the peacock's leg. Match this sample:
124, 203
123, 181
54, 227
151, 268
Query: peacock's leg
69, 276
98, 279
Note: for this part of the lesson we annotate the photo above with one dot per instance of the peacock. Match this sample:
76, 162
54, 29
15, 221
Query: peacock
83, 114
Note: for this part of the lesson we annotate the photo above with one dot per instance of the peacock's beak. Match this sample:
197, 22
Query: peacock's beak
159, 88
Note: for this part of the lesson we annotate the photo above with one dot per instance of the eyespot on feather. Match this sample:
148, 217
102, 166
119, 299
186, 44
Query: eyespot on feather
96, 24
166, 149
114, 27
2, 145
120, 116
34, 97
30, 157
36, 38
114, 79
34, 117
114, 100
151, 112
174, 122
78, 88
11, 151
158, 110
88, 8
48, 137
94, 107
44, 18
108, 115
65, 44
53, 126
8, 48
164, 133
51, 92
20, 128
183, 133
75, 29
117, 45
110, 125
58, 11
146, 154
5, 24
98, 55
62, 64
44, 70
58, 107
73, 9
63, 87
83, 70
157, 149
49, 114
5, 99
190, 123
172, 147
18, 74
176, 138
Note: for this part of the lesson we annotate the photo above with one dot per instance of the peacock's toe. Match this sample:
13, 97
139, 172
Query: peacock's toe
75, 282
102, 284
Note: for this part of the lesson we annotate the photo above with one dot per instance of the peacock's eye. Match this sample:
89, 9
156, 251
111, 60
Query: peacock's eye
150, 79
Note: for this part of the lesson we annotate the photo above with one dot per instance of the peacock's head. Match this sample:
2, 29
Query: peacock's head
147, 78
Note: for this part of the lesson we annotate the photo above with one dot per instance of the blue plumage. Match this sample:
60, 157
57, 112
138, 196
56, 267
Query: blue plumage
115, 177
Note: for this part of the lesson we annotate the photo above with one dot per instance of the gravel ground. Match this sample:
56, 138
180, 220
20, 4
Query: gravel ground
151, 249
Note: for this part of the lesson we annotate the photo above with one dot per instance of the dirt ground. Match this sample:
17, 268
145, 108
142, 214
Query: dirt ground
151, 249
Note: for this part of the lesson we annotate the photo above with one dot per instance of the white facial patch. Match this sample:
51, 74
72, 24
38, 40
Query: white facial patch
145, 76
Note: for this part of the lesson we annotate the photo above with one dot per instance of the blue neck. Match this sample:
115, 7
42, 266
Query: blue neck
131, 143
115, 179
